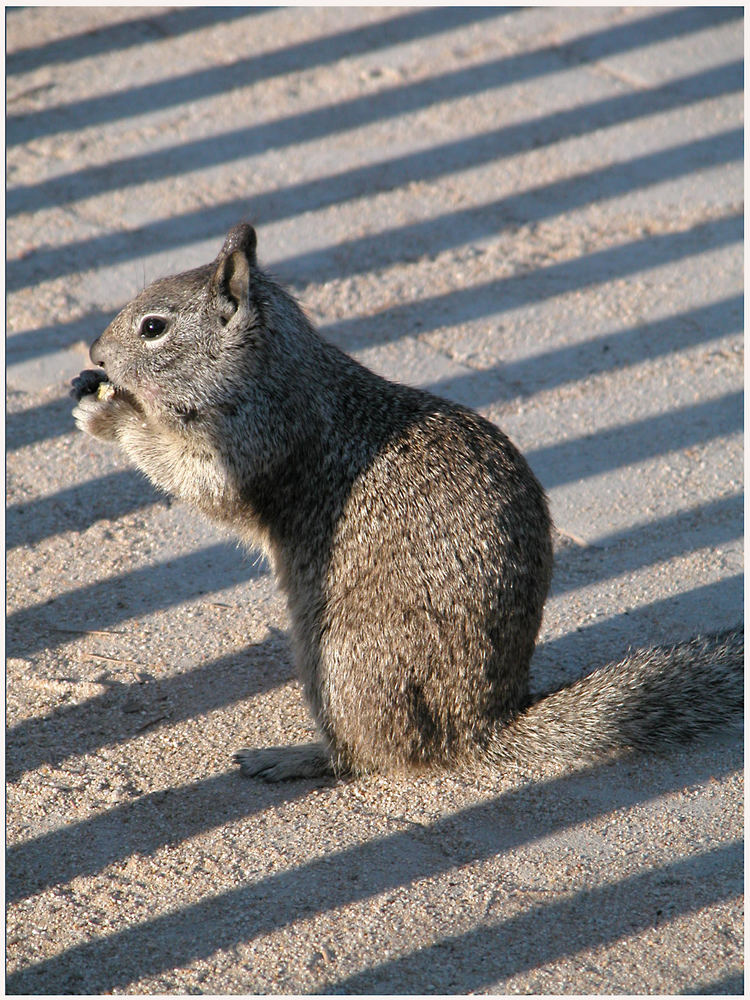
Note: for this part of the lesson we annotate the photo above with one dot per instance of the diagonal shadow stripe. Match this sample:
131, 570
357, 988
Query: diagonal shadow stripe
148, 589
485, 956
32, 343
353, 113
39, 423
546, 201
437, 161
615, 350
215, 81
627, 444
700, 610
499, 295
133, 33
733, 984
108, 964
78, 507
73, 730
142, 826
708, 525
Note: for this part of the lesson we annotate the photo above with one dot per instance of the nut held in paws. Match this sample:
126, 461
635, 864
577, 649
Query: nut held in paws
105, 391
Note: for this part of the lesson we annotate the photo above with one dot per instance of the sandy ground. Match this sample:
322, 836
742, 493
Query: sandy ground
536, 212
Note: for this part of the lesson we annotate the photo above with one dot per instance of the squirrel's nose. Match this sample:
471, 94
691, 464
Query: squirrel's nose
96, 354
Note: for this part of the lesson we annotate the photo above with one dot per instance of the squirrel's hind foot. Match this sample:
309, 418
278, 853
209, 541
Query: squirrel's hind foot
309, 760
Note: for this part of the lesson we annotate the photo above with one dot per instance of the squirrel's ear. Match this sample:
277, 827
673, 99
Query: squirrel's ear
243, 238
231, 283
231, 278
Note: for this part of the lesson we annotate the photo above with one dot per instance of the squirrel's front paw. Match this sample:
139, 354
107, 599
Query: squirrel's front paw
104, 412
96, 417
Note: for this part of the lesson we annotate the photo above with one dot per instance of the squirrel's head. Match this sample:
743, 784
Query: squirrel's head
183, 342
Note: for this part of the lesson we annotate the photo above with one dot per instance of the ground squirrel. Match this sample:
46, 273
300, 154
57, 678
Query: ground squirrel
409, 535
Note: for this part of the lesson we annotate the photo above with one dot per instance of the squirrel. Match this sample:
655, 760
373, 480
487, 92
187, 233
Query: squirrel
409, 535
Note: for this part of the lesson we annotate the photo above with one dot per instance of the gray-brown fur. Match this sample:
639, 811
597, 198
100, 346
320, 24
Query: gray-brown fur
410, 536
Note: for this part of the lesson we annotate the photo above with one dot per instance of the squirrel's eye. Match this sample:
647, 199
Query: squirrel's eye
152, 327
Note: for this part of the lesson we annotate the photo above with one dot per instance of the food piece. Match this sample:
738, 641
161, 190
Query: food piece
105, 391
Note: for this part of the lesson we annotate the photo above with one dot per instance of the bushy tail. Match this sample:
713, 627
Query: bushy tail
653, 698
